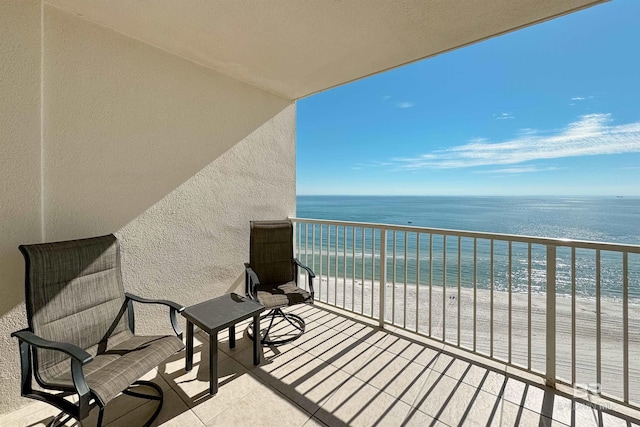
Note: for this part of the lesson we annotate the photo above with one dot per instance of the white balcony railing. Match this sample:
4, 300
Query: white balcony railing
566, 310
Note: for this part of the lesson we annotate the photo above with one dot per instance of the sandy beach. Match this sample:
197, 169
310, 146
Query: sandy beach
425, 310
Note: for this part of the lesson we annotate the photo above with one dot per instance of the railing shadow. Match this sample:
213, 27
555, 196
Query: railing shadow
347, 371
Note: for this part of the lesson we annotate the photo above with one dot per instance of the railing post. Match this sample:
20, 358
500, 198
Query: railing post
383, 274
550, 377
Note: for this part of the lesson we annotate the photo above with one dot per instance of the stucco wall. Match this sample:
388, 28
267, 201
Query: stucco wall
19, 173
172, 157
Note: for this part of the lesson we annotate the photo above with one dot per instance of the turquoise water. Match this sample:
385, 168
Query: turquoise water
602, 219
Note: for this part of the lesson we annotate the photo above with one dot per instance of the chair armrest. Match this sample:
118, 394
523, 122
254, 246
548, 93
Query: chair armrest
179, 308
252, 280
72, 350
79, 358
174, 309
311, 273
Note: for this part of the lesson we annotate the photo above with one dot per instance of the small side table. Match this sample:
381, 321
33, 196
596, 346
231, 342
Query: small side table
214, 315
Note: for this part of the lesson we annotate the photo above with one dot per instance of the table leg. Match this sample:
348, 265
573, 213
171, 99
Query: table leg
232, 336
189, 359
213, 362
256, 341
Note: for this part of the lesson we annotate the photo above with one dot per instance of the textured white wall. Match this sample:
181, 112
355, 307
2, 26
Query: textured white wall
172, 157
19, 173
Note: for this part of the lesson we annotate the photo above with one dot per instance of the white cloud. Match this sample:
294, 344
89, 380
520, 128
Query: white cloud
503, 116
590, 135
404, 105
581, 98
520, 169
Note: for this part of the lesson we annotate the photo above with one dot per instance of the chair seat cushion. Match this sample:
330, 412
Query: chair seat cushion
111, 372
286, 294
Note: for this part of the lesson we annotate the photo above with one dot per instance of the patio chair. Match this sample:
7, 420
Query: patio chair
271, 278
81, 336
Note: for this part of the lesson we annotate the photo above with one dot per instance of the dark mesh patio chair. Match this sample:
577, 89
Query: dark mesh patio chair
80, 338
272, 279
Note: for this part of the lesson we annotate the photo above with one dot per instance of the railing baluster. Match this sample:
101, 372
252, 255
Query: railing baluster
529, 307
430, 279
625, 325
373, 266
335, 280
551, 317
404, 320
393, 281
459, 282
573, 316
320, 258
475, 292
510, 311
362, 282
383, 274
491, 301
328, 261
344, 266
417, 278
444, 287
353, 268
306, 244
297, 228
598, 323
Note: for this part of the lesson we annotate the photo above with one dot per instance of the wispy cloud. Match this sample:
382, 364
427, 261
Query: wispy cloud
520, 169
404, 105
588, 136
578, 98
503, 116
386, 97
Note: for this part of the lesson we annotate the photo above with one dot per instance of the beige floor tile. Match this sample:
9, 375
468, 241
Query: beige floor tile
313, 336
410, 350
417, 418
395, 375
309, 384
611, 420
124, 404
34, 414
174, 413
371, 335
452, 401
234, 381
338, 349
512, 415
262, 407
356, 403
314, 422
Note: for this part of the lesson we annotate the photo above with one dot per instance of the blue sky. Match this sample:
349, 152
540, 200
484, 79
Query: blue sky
552, 109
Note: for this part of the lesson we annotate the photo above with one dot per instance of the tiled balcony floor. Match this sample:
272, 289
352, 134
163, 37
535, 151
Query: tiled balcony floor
346, 371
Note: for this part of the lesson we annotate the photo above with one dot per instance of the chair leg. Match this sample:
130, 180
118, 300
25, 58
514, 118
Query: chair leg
59, 420
159, 397
293, 319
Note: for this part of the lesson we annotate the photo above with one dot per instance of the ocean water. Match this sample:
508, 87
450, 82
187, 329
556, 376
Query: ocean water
601, 219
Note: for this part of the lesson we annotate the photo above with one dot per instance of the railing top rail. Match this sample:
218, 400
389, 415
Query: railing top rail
581, 244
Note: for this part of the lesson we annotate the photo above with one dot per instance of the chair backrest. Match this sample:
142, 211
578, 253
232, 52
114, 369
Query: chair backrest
271, 251
74, 294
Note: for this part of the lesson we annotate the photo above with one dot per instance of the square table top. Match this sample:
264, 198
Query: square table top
222, 312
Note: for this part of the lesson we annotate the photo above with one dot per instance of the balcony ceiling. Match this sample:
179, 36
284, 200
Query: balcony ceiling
294, 48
